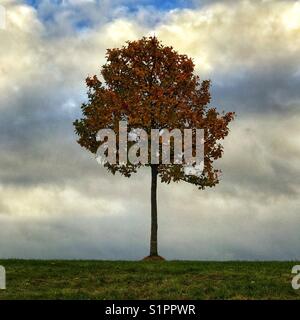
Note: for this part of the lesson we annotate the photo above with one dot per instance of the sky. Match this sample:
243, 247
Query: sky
57, 202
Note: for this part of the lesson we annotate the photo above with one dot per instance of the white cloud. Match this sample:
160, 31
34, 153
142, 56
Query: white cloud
228, 37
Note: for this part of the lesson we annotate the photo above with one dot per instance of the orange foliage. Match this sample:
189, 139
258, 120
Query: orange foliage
151, 86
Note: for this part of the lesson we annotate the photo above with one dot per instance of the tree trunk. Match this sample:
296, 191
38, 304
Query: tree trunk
154, 226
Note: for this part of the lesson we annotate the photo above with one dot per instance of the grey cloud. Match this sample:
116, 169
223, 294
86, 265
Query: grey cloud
265, 89
204, 230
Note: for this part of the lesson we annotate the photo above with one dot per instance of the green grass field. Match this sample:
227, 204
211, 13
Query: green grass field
30, 279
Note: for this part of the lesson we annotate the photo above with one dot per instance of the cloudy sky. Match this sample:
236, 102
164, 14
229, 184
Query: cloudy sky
56, 201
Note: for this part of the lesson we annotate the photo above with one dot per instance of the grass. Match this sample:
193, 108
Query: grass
36, 279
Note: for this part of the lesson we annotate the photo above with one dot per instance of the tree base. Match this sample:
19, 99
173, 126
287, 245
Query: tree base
154, 258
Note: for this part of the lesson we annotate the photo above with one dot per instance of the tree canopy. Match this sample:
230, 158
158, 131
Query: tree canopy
151, 86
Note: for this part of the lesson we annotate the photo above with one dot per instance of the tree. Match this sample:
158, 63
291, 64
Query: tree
150, 85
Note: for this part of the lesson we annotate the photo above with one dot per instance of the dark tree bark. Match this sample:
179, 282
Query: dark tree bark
154, 225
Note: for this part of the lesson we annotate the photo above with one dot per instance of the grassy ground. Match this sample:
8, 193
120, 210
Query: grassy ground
147, 280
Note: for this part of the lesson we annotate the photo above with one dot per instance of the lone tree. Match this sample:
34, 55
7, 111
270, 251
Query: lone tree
151, 86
